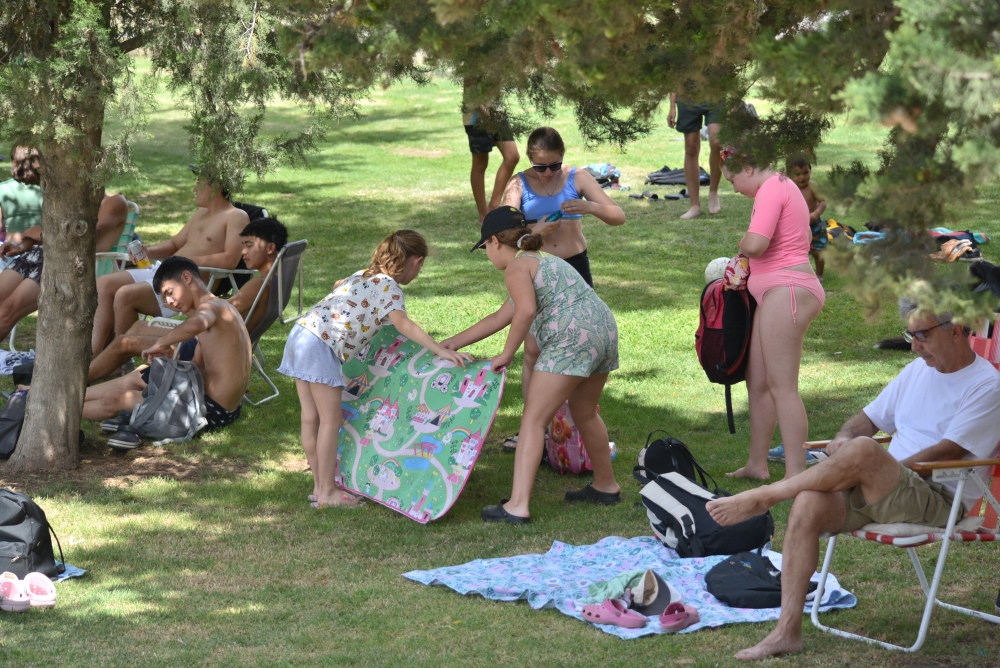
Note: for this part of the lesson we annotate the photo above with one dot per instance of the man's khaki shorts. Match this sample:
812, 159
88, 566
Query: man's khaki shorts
913, 500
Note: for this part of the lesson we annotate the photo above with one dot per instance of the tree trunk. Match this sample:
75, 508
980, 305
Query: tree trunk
50, 436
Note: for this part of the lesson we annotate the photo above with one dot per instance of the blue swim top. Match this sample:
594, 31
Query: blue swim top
537, 207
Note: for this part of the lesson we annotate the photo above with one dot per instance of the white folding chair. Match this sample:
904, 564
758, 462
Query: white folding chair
961, 471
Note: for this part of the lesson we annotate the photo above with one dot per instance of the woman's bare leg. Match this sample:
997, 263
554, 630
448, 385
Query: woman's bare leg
546, 394
781, 340
763, 418
593, 432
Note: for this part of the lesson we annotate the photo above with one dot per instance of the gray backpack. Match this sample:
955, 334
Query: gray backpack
173, 403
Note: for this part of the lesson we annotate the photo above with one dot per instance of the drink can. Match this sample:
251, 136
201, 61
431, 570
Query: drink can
138, 254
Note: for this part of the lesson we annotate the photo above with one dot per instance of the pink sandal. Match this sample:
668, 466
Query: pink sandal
41, 592
678, 617
614, 612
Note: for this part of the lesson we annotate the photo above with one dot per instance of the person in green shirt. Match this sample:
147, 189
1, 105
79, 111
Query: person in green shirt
21, 196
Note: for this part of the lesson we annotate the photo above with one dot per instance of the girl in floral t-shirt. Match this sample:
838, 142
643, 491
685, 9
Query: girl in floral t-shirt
332, 333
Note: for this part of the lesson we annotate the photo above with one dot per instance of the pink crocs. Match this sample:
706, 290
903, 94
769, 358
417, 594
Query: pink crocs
13, 597
614, 612
678, 617
41, 591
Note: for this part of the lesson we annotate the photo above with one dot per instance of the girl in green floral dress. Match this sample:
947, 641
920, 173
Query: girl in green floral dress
579, 341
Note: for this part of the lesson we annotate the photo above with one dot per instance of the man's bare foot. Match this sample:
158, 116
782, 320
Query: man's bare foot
752, 473
693, 212
714, 206
770, 646
729, 510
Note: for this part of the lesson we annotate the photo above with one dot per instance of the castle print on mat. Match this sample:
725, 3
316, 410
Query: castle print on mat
414, 425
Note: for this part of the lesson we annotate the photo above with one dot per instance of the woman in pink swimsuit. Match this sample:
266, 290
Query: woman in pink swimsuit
789, 297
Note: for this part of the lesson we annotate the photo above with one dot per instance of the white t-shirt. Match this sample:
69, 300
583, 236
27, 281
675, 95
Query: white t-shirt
922, 406
348, 318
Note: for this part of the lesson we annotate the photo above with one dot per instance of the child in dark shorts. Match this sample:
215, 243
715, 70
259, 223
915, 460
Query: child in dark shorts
799, 170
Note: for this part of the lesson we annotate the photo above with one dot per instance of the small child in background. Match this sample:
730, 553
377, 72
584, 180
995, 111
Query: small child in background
332, 333
578, 337
799, 170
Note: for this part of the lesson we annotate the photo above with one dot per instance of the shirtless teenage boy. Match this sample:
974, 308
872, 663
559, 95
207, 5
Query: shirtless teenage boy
20, 282
222, 336
211, 239
262, 239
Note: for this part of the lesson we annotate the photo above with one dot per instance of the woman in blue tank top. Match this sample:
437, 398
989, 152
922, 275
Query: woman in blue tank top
553, 188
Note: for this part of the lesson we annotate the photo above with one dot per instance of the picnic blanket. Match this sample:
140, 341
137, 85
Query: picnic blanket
414, 425
560, 577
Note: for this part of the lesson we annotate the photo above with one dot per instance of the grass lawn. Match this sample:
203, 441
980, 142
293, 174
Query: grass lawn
208, 554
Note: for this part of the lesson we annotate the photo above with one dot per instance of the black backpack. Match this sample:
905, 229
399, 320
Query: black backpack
723, 337
676, 510
665, 176
25, 543
11, 420
746, 580
668, 454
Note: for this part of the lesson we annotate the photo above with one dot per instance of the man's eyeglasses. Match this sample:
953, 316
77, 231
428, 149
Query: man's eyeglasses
921, 334
554, 166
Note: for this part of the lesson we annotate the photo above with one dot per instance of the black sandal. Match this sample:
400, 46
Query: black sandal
498, 514
592, 495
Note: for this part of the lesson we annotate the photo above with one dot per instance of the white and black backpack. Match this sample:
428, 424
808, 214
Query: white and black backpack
676, 510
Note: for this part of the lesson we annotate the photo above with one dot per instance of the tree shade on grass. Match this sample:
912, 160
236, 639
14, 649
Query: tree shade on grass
207, 553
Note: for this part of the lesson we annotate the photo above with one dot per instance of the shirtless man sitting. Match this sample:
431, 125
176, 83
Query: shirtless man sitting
222, 337
261, 239
21, 281
943, 406
210, 239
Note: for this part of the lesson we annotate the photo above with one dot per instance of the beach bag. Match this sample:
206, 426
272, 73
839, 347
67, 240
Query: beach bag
675, 507
665, 176
722, 340
746, 580
563, 446
25, 541
604, 173
667, 454
11, 419
173, 403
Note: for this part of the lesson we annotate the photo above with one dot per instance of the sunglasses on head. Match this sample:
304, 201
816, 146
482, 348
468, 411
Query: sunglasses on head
554, 166
921, 334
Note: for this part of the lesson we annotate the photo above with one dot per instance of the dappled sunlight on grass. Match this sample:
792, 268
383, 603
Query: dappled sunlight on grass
207, 553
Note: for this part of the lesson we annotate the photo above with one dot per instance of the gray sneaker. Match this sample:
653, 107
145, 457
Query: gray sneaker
124, 439
116, 423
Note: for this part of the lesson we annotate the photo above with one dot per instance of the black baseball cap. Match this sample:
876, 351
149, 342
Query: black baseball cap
500, 219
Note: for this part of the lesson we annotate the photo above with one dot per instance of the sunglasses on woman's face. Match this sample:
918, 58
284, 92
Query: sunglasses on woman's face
554, 166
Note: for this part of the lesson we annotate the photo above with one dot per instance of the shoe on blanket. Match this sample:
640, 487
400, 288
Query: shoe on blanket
615, 613
678, 617
124, 439
592, 495
117, 422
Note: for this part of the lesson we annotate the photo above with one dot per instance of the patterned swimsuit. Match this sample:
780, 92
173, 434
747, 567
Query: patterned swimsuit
574, 328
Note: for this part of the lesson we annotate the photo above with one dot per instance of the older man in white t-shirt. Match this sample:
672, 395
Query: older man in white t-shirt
944, 406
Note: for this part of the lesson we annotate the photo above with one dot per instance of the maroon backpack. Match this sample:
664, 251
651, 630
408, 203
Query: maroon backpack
723, 337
